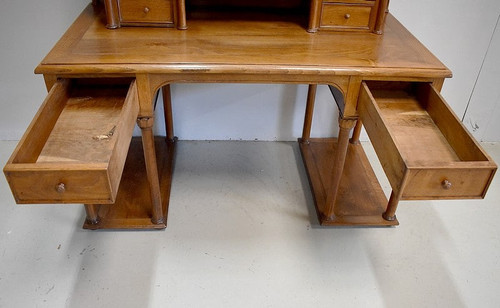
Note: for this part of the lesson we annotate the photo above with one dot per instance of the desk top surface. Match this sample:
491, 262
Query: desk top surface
238, 47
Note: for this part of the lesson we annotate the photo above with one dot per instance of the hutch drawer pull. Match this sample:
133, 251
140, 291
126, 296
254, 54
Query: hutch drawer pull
347, 16
446, 184
60, 188
146, 9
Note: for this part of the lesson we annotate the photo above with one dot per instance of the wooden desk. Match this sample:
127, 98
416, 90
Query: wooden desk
345, 188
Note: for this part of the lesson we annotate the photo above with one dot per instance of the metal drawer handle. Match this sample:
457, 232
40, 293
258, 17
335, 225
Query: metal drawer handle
60, 188
347, 16
146, 9
446, 184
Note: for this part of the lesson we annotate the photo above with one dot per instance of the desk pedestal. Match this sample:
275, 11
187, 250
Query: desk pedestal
360, 199
132, 209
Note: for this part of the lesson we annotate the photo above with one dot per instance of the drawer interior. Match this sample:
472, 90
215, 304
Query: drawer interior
78, 139
423, 147
79, 128
426, 132
84, 129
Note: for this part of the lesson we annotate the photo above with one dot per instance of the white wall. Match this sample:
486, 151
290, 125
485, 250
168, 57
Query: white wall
28, 30
457, 31
247, 112
483, 111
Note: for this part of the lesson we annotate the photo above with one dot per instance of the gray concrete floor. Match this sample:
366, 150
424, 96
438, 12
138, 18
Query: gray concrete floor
242, 232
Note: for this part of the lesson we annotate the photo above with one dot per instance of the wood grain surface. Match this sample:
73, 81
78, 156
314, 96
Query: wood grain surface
250, 47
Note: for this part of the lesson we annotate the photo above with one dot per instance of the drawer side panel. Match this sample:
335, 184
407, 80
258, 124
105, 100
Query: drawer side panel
464, 144
124, 131
387, 151
33, 140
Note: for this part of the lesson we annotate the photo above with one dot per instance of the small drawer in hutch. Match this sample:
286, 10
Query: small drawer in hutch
147, 11
158, 13
348, 15
343, 15
423, 147
75, 148
359, 15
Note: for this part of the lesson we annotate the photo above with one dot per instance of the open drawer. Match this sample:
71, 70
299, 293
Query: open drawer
423, 147
75, 148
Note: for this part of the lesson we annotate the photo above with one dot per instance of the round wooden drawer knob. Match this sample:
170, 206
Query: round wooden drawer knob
347, 16
60, 188
446, 184
146, 9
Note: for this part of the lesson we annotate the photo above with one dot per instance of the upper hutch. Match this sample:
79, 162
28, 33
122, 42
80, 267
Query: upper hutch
346, 15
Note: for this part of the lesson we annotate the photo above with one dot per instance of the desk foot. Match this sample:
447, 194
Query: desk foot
132, 209
361, 200
389, 218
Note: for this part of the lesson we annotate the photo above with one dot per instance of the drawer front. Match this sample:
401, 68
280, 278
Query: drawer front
60, 186
347, 16
74, 150
447, 183
146, 11
423, 147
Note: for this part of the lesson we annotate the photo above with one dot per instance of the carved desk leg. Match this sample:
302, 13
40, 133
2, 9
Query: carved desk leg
311, 96
345, 126
345, 189
356, 132
390, 213
92, 211
146, 125
167, 108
